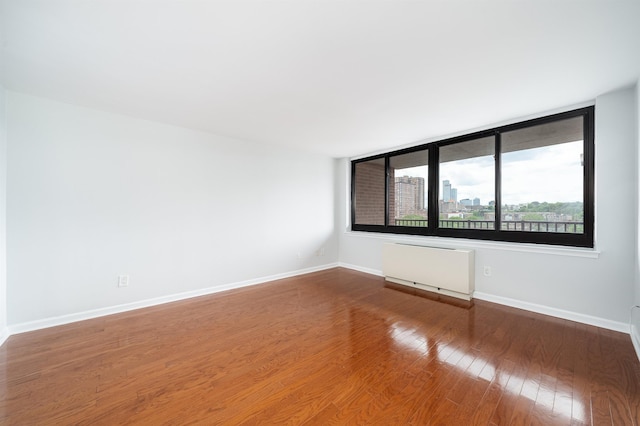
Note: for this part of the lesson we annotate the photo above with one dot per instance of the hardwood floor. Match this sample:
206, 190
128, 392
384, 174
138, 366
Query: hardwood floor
333, 347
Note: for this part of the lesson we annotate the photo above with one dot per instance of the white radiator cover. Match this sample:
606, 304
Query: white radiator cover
445, 271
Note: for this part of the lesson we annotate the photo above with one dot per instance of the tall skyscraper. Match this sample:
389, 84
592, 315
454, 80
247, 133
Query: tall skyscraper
446, 190
454, 195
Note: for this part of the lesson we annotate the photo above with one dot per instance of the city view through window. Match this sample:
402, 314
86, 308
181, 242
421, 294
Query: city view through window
541, 182
525, 182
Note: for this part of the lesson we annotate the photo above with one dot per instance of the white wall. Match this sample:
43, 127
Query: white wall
597, 290
93, 195
3, 218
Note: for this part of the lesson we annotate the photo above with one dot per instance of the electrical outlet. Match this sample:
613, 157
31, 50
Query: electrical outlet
123, 280
487, 271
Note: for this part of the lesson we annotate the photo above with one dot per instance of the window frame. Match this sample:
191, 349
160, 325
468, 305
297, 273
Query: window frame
585, 239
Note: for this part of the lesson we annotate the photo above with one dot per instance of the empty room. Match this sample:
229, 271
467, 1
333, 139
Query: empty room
319, 212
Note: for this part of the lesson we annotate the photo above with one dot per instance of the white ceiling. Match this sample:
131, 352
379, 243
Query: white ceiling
340, 78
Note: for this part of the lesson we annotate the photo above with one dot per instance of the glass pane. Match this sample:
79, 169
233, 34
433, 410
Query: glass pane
542, 178
408, 197
467, 182
369, 192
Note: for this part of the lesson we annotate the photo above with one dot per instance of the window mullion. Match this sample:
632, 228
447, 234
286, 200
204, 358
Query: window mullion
387, 174
433, 212
498, 189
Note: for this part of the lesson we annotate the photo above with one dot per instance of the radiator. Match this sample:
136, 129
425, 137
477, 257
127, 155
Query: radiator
445, 271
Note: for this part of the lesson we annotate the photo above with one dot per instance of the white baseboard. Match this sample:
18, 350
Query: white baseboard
634, 330
361, 269
554, 312
4, 335
635, 339
96, 313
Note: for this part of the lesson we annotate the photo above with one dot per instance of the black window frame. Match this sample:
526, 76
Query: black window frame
585, 239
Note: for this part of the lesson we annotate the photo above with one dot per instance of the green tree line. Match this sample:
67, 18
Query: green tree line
575, 209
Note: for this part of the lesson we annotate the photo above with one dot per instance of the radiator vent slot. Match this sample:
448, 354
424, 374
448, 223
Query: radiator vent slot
441, 270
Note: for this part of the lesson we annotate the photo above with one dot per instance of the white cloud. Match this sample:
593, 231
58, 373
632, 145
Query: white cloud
552, 174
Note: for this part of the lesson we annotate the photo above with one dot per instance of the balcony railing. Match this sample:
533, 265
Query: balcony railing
506, 225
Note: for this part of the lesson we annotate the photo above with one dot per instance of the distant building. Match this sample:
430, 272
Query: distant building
447, 206
476, 201
409, 196
446, 191
466, 202
449, 193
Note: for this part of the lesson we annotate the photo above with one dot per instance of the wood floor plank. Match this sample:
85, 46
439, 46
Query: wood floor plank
404, 405
581, 405
509, 402
487, 405
330, 348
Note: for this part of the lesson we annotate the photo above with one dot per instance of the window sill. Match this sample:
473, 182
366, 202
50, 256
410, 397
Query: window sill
478, 244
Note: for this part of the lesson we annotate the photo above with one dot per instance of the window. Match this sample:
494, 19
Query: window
467, 178
408, 196
542, 178
526, 182
369, 192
